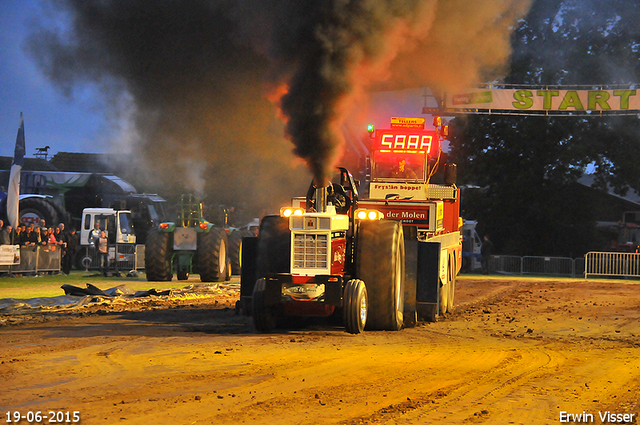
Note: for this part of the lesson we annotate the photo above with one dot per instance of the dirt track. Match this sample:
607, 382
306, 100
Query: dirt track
515, 351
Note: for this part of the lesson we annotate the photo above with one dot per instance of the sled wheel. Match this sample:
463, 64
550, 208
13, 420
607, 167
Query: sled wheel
380, 254
452, 283
429, 313
355, 307
444, 297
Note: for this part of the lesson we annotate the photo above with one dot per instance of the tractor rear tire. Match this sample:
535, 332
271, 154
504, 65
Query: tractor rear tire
63, 215
264, 317
380, 263
212, 255
356, 306
157, 256
274, 246
235, 251
39, 207
227, 274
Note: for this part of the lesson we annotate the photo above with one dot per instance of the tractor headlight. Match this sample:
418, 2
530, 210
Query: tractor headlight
289, 211
364, 214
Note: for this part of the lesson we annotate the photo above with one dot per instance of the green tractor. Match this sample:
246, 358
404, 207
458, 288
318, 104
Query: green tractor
191, 244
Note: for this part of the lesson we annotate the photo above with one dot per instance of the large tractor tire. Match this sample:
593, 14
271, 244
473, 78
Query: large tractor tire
212, 255
265, 317
235, 250
36, 209
356, 306
274, 246
273, 254
157, 256
63, 215
380, 263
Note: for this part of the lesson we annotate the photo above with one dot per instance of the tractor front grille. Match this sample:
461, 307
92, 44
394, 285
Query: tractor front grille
310, 251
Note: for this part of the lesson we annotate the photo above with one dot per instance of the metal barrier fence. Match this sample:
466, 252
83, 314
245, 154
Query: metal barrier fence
140, 257
34, 260
131, 257
538, 266
126, 255
612, 264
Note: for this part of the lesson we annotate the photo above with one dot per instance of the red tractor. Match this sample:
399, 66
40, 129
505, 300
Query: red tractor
404, 160
334, 254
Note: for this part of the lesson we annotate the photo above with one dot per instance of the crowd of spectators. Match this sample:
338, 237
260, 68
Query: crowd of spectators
52, 238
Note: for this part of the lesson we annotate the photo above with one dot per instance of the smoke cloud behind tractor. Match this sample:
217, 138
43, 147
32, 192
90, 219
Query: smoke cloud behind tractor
329, 52
199, 73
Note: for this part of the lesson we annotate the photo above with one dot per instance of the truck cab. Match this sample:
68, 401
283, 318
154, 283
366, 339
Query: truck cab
117, 224
120, 235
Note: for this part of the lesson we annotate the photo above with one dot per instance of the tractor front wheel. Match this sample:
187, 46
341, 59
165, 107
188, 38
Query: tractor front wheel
356, 304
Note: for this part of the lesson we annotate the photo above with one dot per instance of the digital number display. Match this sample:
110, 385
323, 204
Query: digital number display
407, 142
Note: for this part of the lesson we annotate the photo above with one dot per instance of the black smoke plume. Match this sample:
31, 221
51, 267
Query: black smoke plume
195, 74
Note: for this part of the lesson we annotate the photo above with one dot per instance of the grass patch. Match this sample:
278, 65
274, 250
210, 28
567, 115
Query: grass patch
50, 286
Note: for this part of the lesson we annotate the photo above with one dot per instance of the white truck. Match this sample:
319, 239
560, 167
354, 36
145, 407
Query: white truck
118, 226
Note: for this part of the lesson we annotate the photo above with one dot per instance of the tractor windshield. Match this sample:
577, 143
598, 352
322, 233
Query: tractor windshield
398, 166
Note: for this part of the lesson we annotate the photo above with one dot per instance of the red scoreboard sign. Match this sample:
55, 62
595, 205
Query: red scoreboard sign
407, 141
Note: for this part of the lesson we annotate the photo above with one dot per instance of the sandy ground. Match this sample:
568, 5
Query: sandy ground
521, 351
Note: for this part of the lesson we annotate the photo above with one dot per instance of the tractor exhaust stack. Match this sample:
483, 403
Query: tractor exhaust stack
321, 199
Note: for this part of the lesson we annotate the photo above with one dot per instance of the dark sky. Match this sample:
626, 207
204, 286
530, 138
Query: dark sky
233, 96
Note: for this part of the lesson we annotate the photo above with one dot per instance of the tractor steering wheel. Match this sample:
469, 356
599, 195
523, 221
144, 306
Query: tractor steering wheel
340, 199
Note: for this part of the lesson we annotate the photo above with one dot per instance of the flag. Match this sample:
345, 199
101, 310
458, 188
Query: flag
13, 192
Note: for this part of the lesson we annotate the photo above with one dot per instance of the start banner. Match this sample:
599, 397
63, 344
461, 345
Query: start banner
543, 100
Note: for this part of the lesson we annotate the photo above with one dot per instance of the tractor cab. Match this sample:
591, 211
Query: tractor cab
400, 163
